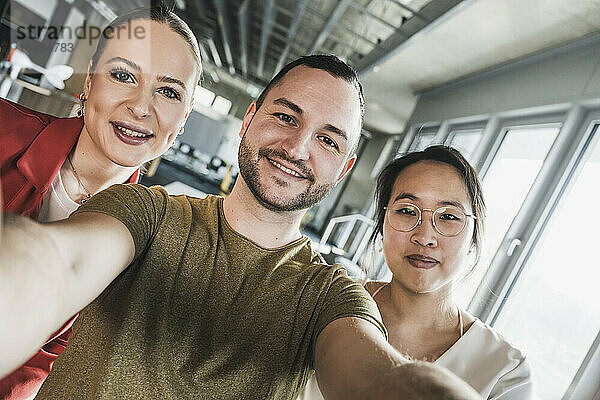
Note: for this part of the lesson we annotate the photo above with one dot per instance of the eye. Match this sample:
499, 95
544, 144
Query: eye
406, 210
122, 75
449, 217
285, 118
329, 142
450, 214
170, 93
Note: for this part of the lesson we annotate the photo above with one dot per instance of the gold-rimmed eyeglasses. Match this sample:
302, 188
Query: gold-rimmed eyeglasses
446, 220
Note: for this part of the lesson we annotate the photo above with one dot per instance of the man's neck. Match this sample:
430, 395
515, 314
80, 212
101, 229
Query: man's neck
250, 218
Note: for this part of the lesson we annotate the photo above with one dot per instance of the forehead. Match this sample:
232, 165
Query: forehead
322, 97
432, 181
145, 42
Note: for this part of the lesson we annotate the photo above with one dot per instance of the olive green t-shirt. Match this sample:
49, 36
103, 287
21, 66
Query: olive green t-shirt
202, 312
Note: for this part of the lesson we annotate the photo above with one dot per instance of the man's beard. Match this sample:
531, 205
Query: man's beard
249, 169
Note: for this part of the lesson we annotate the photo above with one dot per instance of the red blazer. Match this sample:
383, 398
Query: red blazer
33, 147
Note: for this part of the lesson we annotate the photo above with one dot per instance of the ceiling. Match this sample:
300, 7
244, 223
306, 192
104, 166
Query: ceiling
245, 42
399, 47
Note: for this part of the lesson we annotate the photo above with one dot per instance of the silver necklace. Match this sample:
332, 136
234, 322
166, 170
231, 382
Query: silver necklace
88, 195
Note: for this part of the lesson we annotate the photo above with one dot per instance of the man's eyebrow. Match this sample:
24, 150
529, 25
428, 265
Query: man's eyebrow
286, 103
337, 131
126, 61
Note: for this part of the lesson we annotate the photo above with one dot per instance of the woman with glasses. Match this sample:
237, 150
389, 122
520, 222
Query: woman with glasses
429, 218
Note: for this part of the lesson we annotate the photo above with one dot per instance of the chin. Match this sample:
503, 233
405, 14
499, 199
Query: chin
128, 161
433, 288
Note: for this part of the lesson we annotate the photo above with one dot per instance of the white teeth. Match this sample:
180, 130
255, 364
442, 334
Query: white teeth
289, 171
130, 132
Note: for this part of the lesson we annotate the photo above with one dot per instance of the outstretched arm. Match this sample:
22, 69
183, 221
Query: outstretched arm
50, 272
354, 361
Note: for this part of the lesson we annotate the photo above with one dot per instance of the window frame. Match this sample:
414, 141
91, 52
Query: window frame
579, 130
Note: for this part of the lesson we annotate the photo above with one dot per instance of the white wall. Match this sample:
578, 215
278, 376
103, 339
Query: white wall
566, 74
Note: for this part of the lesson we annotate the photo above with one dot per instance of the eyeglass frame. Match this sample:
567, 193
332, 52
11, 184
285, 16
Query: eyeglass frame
420, 221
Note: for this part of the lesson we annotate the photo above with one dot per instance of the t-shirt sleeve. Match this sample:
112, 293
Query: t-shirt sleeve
138, 207
347, 298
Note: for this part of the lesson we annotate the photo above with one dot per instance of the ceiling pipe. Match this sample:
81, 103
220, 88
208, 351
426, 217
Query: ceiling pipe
243, 22
437, 12
410, 10
362, 9
264, 38
224, 25
329, 25
300, 6
214, 52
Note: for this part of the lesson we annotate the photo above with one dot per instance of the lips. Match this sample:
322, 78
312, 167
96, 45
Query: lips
421, 261
131, 134
285, 169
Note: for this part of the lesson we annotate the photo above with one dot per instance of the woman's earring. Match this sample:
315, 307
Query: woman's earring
81, 110
181, 131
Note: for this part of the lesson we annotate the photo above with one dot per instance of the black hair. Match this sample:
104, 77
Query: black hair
439, 153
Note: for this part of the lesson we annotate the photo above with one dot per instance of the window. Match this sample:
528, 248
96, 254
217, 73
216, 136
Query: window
422, 140
465, 141
553, 308
513, 170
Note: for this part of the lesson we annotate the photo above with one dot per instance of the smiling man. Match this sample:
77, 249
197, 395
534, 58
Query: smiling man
224, 298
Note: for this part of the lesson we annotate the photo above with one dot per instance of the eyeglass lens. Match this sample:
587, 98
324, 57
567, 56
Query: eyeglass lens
447, 220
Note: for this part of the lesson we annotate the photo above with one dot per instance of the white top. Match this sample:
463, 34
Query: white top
57, 204
482, 358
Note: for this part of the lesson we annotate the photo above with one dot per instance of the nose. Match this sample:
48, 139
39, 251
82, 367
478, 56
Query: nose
140, 104
424, 233
296, 145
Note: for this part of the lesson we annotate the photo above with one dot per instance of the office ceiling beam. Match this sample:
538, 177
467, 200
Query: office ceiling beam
214, 52
224, 28
364, 10
300, 6
411, 10
266, 32
435, 11
339, 10
243, 23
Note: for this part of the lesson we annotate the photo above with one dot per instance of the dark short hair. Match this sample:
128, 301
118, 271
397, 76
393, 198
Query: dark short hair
325, 62
159, 14
443, 154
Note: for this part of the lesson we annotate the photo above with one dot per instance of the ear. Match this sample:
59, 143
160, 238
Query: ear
87, 84
248, 118
347, 167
